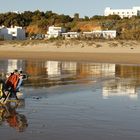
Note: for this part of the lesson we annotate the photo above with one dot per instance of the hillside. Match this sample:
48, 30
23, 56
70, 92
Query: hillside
38, 22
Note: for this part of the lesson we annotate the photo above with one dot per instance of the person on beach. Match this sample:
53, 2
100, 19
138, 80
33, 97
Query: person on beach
20, 81
12, 82
11, 87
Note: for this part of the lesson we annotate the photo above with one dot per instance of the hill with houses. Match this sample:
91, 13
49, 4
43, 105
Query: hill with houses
38, 22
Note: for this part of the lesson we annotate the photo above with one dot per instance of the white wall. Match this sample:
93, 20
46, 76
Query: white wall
21, 34
135, 11
54, 32
71, 35
12, 33
17, 32
108, 34
4, 34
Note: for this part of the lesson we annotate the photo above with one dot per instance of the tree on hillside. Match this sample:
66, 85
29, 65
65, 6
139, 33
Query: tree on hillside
97, 17
65, 18
11, 19
49, 14
43, 25
2, 19
113, 17
86, 18
27, 17
76, 16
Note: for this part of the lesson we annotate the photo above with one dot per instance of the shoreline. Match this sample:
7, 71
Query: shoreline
117, 58
123, 52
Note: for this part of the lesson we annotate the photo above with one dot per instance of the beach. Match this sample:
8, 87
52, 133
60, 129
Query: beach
103, 51
69, 99
72, 100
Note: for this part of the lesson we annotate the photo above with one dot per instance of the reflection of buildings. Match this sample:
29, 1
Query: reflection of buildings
15, 64
128, 71
59, 68
10, 65
35, 68
43, 73
69, 68
97, 69
36, 72
119, 88
53, 68
129, 81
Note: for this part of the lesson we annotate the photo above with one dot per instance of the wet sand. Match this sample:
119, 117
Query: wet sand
124, 58
76, 112
86, 102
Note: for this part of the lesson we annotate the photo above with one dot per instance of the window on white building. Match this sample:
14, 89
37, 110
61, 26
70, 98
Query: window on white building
13, 33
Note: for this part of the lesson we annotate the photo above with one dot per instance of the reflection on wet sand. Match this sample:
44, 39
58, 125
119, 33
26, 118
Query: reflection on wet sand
119, 88
50, 73
9, 115
65, 100
126, 83
67, 72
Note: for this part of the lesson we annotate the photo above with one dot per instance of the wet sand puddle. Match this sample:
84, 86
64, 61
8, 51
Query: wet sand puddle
73, 100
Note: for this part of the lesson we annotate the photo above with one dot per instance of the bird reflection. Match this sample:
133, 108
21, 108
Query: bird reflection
9, 115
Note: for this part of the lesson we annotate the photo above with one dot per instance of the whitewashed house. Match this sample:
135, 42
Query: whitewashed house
110, 34
16, 32
54, 32
135, 11
107, 34
4, 33
70, 35
88, 34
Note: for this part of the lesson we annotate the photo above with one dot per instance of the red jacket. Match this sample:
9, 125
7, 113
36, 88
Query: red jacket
12, 81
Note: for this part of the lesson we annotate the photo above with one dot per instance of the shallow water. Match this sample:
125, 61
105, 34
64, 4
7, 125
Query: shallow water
73, 101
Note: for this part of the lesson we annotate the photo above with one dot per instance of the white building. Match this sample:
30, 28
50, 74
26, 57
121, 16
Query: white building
4, 34
135, 11
107, 34
54, 32
71, 35
12, 33
14, 64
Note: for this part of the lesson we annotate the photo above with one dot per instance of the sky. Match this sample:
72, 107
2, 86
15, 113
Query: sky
67, 7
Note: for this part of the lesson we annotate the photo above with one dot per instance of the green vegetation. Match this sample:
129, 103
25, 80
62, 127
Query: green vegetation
38, 22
